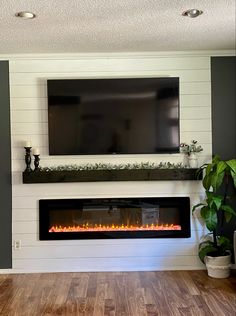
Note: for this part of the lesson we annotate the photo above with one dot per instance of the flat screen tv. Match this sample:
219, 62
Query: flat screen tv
113, 116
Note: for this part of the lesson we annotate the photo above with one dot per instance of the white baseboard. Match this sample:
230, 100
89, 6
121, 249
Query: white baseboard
19, 271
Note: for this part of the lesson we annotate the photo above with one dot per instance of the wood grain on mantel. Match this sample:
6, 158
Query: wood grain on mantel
55, 176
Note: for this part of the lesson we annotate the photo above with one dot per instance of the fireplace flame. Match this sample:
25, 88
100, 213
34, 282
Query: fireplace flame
112, 228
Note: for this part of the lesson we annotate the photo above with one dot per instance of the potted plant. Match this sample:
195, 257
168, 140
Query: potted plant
215, 248
190, 151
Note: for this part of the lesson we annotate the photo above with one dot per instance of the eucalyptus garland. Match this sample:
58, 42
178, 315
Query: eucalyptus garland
108, 166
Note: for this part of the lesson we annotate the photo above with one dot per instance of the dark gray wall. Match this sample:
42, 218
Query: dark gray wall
223, 80
5, 170
223, 76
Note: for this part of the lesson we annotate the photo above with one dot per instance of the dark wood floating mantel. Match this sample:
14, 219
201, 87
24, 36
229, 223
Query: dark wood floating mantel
109, 175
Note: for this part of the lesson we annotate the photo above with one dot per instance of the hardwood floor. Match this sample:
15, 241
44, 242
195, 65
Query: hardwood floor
164, 293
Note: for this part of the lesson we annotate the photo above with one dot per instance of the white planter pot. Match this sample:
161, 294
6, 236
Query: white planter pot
193, 160
218, 267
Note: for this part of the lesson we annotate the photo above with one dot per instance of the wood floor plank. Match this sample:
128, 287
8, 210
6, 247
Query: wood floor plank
158, 288
109, 308
202, 305
187, 283
121, 294
162, 293
99, 306
90, 303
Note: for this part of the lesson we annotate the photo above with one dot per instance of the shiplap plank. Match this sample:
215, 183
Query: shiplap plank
110, 264
195, 88
32, 103
196, 112
196, 125
32, 240
203, 137
115, 251
102, 189
28, 91
23, 199
25, 202
185, 75
25, 214
195, 100
25, 227
109, 64
29, 116
29, 128
18, 140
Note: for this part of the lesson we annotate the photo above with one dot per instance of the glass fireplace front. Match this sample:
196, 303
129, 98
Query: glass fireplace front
114, 218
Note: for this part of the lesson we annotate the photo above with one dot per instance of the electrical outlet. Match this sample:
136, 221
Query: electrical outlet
17, 244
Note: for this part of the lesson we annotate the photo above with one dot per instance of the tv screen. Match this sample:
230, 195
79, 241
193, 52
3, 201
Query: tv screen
113, 116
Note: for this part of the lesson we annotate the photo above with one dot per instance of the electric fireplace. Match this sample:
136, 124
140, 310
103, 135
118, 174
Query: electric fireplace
100, 218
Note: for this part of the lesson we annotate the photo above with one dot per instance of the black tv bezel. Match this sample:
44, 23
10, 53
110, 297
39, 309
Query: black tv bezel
174, 150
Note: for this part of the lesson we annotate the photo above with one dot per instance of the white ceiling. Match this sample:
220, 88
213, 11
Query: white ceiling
75, 26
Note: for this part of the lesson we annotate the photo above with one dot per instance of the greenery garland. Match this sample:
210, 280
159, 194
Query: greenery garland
108, 166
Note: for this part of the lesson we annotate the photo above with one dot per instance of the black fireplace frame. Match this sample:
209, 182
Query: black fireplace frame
45, 205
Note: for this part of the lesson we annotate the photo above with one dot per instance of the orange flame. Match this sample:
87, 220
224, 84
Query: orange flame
112, 228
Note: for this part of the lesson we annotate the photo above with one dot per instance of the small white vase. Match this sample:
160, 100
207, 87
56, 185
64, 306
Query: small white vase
186, 160
193, 160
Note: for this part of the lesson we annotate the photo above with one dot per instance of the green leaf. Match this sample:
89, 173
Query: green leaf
207, 181
228, 217
196, 206
216, 159
234, 177
227, 208
211, 219
208, 169
204, 211
228, 212
209, 199
232, 164
214, 181
205, 248
220, 179
217, 201
221, 166
217, 180
224, 244
209, 195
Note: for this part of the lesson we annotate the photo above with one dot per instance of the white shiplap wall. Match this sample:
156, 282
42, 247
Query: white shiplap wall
29, 122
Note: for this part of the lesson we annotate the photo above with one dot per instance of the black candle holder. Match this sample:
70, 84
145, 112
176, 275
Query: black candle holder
28, 159
36, 162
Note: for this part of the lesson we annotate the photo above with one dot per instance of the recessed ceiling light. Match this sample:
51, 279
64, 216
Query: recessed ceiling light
192, 13
25, 15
